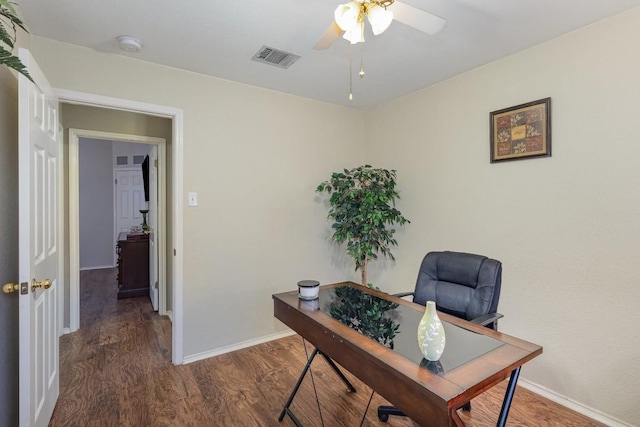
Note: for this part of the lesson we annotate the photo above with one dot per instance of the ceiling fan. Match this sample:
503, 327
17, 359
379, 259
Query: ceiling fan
349, 20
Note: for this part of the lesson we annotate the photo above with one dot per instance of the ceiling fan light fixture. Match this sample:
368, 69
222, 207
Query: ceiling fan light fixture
379, 18
356, 34
347, 15
384, 3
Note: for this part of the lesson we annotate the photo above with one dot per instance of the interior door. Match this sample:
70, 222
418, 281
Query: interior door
38, 164
129, 195
153, 219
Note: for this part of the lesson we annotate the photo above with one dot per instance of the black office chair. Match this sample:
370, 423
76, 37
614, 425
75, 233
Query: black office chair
463, 285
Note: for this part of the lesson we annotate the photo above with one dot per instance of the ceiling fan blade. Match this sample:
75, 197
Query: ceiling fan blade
416, 18
329, 36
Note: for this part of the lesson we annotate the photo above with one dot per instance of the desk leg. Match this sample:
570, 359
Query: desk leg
350, 387
508, 397
455, 419
286, 410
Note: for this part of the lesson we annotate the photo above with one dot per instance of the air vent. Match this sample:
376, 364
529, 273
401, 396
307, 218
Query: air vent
122, 160
271, 56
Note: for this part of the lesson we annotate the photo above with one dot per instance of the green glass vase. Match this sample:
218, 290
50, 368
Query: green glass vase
431, 337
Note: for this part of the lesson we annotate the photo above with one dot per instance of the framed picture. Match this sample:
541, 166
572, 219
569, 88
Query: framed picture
521, 132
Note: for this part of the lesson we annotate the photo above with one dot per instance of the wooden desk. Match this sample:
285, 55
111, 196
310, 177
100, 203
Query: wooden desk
428, 398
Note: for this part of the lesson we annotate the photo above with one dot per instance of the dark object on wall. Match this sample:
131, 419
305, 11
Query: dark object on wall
145, 177
521, 132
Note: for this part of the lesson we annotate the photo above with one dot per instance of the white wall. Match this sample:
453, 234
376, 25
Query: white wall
255, 158
95, 190
567, 228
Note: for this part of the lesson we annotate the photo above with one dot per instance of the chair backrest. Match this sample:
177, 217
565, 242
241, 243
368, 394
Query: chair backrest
461, 284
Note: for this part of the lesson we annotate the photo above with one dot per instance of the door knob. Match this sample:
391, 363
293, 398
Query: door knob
44, 284
10, 287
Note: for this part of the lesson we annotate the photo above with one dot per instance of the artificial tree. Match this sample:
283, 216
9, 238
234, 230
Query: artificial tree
363, 212
9, 23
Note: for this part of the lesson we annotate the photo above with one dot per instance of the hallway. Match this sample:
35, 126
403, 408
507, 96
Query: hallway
108, 367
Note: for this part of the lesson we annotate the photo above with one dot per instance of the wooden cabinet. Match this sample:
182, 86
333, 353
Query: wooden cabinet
133, 265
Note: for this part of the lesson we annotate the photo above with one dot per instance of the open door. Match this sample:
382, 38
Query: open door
129, 199
39, 246
153, 218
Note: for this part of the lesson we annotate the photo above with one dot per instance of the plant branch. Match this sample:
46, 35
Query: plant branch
9, 18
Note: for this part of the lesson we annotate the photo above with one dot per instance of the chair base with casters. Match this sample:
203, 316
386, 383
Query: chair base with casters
461, 284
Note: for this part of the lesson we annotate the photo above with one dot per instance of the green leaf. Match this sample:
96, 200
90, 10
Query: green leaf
5, 37
6, 58
7, 5
7, 10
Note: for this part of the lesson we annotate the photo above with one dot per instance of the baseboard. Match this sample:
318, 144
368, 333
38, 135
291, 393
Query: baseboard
169, 313
238, 346
66, 331
99, 267
594, 414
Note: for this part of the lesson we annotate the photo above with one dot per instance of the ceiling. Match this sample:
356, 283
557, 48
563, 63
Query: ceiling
219, 39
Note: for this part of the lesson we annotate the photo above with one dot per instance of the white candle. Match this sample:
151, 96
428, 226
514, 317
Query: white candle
308, 289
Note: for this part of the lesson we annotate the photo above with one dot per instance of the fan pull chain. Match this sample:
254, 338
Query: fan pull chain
350, 75
361, 73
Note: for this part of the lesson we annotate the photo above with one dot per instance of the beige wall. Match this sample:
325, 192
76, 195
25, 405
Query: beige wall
255, 157
567, 228
124, 122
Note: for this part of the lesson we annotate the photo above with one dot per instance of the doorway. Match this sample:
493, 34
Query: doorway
114, 190
174, 217
157, 207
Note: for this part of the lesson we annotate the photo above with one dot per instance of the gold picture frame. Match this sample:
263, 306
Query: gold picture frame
521, 132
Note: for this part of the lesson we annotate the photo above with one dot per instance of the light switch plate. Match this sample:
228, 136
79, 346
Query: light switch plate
193, 199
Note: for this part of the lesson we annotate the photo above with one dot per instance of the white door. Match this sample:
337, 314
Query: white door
38, 248
129, 194
153, 221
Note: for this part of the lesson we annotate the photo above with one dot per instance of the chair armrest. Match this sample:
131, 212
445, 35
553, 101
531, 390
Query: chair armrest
403, 294
486, 319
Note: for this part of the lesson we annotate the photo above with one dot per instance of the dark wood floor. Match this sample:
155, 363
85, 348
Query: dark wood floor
116, 371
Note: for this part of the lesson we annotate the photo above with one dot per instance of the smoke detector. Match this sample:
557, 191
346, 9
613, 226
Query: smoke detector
130, 44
